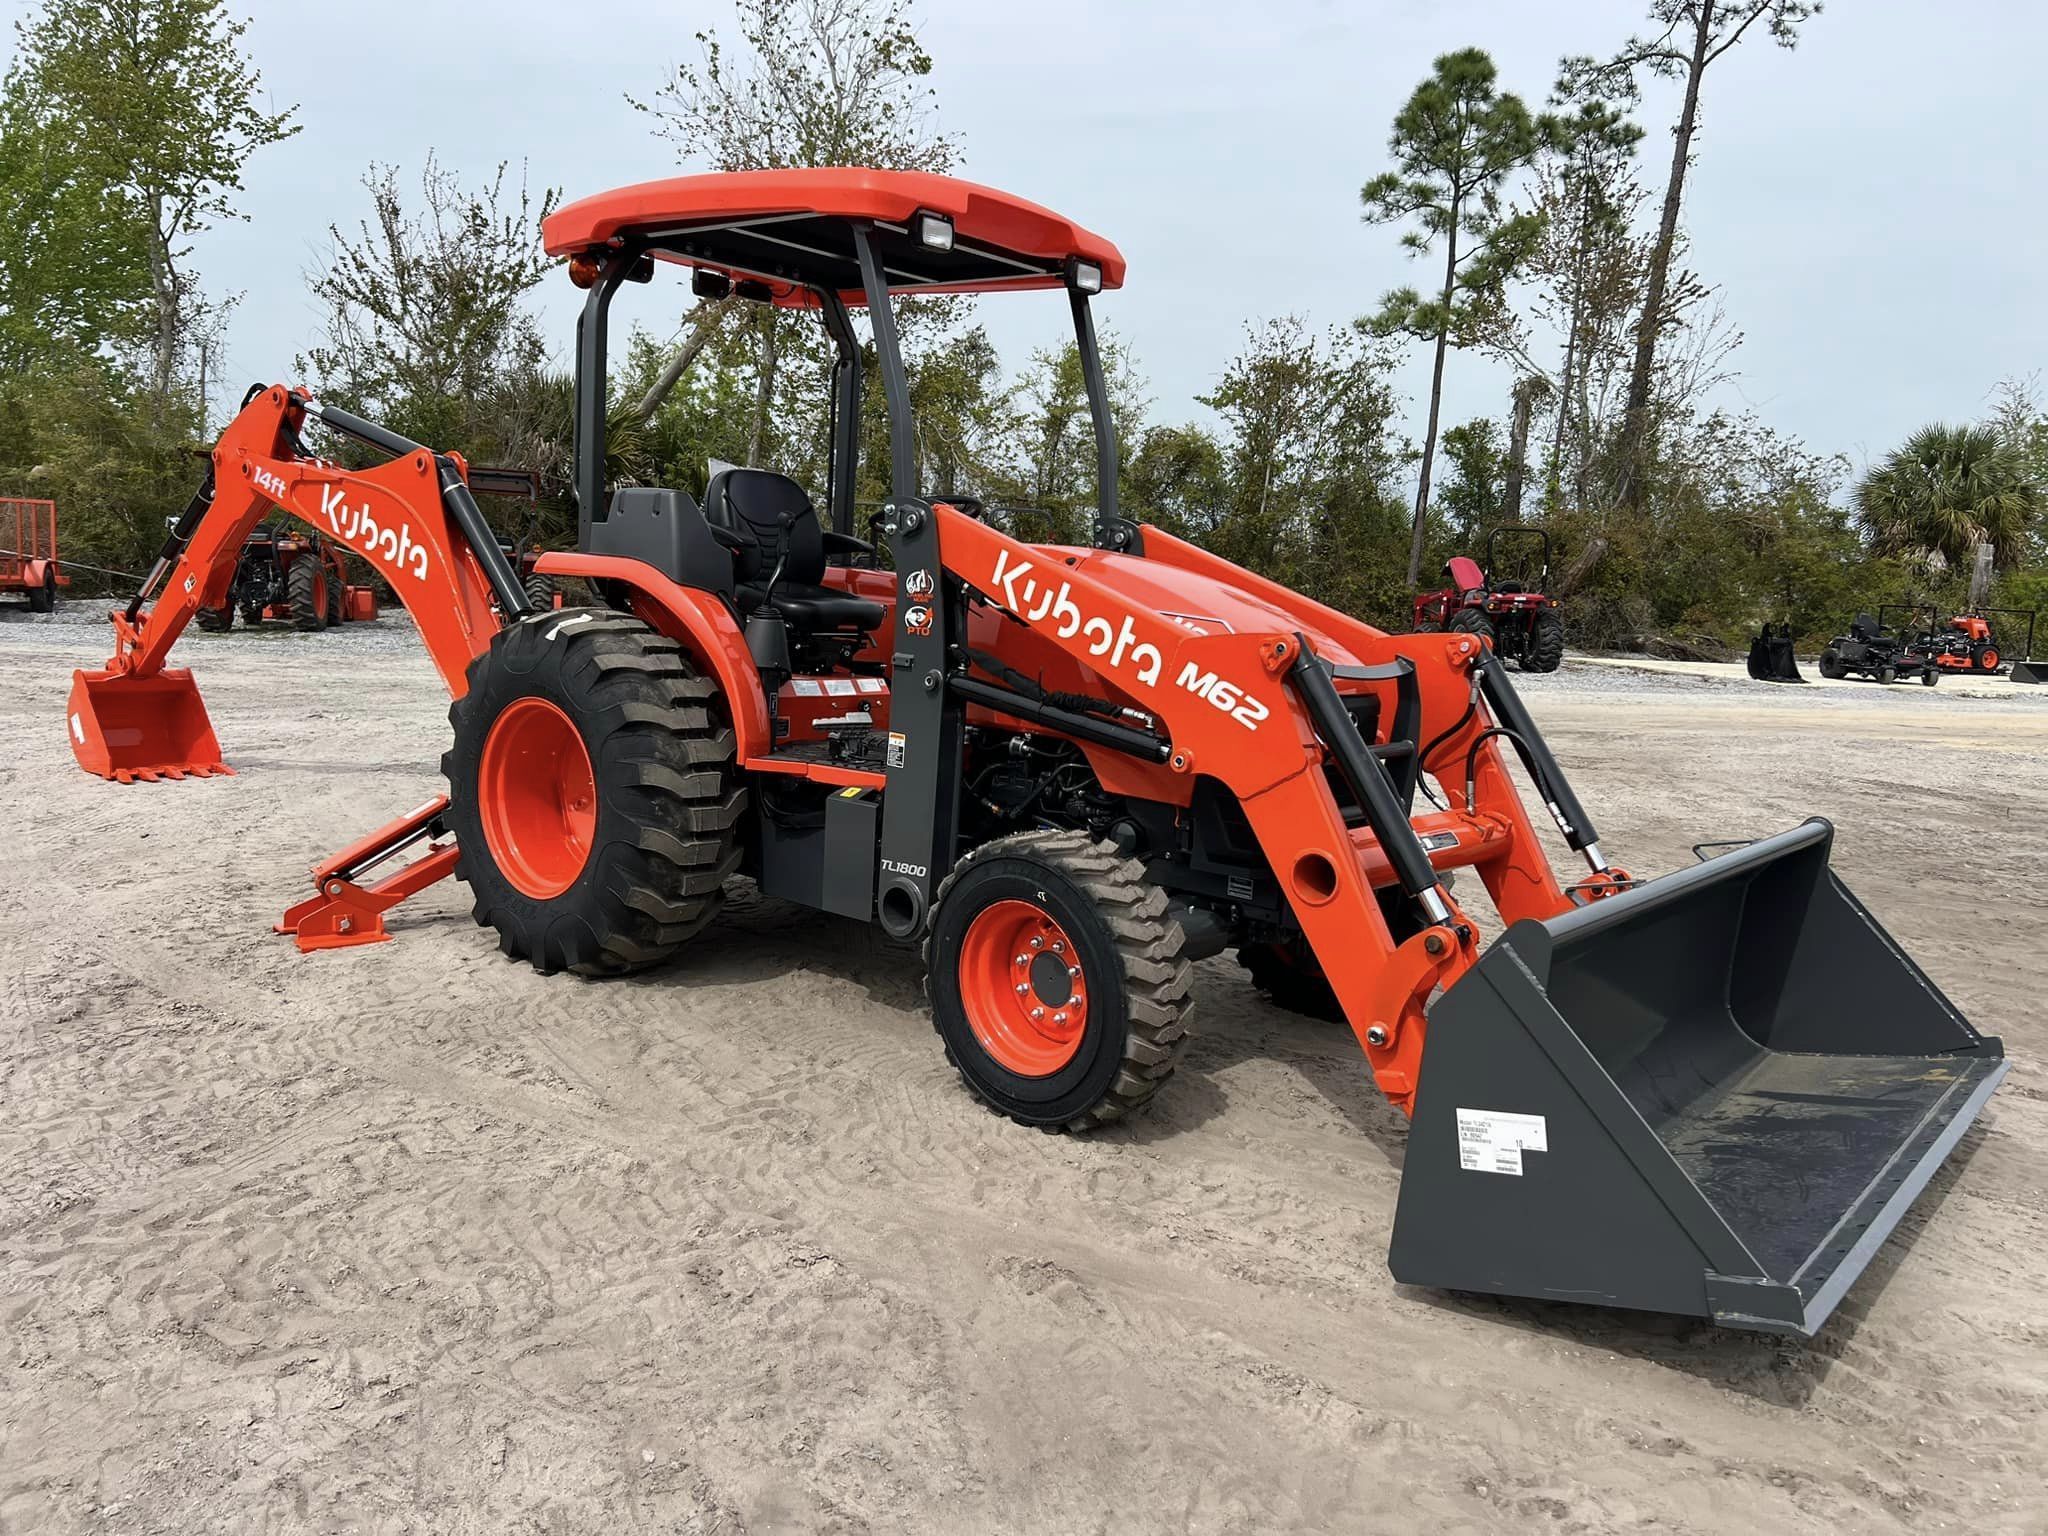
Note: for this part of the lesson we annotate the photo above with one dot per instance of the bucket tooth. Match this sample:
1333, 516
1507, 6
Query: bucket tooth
125, 728
1716, 1094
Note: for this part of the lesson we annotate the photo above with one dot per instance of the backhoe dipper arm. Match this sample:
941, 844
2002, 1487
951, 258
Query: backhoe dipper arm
411, 518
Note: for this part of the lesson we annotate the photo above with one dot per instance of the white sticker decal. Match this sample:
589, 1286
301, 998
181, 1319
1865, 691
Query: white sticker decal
807, 688
840, 687
77, 728
898, 743
1493, 1140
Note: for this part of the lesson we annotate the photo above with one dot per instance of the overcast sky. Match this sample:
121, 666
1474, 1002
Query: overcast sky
1869, 204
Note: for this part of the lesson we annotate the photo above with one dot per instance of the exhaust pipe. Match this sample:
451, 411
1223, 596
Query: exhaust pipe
1715, 1094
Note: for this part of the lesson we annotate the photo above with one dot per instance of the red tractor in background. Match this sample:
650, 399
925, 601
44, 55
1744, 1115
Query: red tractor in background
1510, 610
28, 552
289, 575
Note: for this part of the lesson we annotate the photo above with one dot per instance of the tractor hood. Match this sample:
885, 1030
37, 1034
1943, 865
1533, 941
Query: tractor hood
1204, 603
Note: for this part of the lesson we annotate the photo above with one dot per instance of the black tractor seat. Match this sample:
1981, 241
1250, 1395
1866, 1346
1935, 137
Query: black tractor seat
767, 521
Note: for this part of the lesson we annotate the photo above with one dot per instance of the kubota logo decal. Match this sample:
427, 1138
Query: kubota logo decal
359, 525
1119, 645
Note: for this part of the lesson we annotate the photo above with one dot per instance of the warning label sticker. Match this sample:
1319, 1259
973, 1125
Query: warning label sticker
897, 741
1493, 1140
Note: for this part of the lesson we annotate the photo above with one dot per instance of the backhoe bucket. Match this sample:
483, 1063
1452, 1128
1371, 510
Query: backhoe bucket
129, 728
1715, 1094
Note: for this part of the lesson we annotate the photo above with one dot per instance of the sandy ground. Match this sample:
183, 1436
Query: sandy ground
408, 1238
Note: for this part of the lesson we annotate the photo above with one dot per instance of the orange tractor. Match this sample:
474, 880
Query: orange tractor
1065, 773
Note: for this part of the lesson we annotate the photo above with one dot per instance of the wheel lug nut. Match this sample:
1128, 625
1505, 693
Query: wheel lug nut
1059, 946
1038, 1013
1059, 1018
1023, 959
1037, 942
1023, 987
1073, 970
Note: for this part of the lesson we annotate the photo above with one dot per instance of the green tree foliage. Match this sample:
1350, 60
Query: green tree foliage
1313, 458
73, 280
1474, 494
1456, 144
1945, 491
1690, 37
163, 108
813, 83
425, 305
89, 437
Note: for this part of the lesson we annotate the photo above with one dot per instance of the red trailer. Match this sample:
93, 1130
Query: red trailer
28, 552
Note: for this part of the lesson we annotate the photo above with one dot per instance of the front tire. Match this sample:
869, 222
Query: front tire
337, 598
215, 621
1546, 642
592, 793
1057, 980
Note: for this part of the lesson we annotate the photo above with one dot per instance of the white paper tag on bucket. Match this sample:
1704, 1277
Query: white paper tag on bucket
1493, 1140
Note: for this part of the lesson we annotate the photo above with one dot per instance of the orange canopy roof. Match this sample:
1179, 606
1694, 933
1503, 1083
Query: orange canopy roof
789, 225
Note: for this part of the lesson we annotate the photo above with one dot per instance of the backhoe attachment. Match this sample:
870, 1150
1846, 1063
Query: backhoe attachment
412, 518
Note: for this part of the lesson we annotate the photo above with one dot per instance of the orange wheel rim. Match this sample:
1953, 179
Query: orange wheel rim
1990, 661
537, 797
1022, 987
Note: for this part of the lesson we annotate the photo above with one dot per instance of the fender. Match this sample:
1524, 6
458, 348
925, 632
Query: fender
703, 624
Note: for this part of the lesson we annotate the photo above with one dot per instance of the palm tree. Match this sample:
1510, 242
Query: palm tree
1946, 491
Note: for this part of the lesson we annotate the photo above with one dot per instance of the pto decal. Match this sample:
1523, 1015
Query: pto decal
917, 619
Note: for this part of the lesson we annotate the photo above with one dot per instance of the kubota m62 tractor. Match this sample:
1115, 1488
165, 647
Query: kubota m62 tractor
1504, 605
1064, 773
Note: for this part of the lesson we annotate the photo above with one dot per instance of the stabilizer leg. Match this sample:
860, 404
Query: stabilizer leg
345, 911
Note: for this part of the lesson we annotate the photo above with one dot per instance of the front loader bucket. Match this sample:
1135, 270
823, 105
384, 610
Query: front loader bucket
127, 728
1715, 1094
2030, 672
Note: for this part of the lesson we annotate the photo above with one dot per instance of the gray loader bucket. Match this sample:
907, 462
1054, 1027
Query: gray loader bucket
2030, 671
1715, 1094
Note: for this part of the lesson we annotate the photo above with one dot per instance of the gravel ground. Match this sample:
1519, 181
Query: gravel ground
407, 1238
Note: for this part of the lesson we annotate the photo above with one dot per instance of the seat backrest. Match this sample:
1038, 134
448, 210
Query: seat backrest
1464, 574
775, 523
1865, 627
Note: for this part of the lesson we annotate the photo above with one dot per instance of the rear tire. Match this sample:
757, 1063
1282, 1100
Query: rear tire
337, 598
302, 590
1133, 982
1831, 666
540, 591
1546, 642
1473, 621
662, 814
215, 621
43, 599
